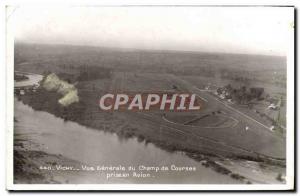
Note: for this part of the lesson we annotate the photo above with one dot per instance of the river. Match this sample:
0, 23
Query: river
95, 147
33, 79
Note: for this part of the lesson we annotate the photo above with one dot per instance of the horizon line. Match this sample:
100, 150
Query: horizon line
149, 50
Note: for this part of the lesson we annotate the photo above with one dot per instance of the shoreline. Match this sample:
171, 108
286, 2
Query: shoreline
28, 160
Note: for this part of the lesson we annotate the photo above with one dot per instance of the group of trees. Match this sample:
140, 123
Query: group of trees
242, 95
72, 74
93, 73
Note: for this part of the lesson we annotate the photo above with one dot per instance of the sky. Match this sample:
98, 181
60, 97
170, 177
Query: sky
250, 30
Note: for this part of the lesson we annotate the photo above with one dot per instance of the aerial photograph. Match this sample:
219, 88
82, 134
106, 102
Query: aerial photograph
150, 95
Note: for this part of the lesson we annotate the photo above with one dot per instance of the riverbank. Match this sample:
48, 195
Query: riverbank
29, 158
33, 165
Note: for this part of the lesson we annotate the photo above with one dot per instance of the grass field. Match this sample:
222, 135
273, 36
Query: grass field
228, 128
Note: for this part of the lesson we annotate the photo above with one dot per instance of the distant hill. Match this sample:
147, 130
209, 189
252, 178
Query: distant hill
141, 60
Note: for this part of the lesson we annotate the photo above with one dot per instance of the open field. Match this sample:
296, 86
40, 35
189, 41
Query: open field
259, 107
234, 135
220, 130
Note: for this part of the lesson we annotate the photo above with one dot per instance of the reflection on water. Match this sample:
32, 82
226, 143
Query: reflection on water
95, 147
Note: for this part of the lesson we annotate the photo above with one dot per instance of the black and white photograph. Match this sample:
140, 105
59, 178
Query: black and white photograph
150, 97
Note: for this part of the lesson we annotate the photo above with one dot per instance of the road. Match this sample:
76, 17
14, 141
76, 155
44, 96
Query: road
258, 137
